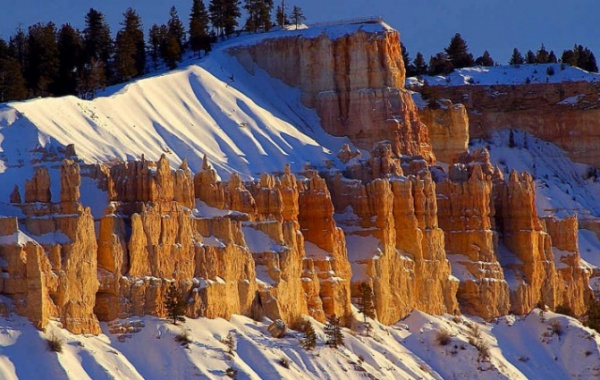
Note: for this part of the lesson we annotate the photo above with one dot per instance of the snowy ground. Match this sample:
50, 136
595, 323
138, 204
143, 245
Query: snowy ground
549, 346
508, 75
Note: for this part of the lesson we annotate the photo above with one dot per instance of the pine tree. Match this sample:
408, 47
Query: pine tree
130, 55
91, 77
366, 305
569, 58
552, 57
309, 341
17, 47
530, 58
41, 72
420, 64
155, 39
516, 58
542, 55
410, 68
176, 32
485, 60
440, 64
175, 304
281, 15
297, 16
70, 53
224, 15
458, 52
12, 83
333, 332
98, 45
198, 30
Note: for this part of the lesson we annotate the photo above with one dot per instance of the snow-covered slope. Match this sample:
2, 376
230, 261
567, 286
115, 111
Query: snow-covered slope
213, 107
509, 75
546, 346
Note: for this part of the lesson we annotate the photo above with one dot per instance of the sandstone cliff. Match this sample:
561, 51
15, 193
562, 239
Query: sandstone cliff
355, 82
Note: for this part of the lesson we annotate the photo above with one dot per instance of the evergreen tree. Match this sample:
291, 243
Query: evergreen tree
516, 58
591, 66
170, 49
198, 30
224, 15
281, 15
175, 304
41, 72
458, 52
98, 46
309, 341
17, 47
155, 39
552, 57
176, 29
542, 55
70, 53
530, 58
333, 332
440, 64
12, 82
297, 16
569, 58
485, 60
420, 64
130, 55
366, 305
91, 77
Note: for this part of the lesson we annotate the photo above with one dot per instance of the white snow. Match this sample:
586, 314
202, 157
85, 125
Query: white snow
508, 75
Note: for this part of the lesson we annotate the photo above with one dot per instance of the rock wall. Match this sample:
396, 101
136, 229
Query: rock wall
355, 82
448, 127
567, 113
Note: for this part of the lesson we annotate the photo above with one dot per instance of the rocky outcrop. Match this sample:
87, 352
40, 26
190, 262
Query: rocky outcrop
448, 126
465, 209
355, 82
566, 113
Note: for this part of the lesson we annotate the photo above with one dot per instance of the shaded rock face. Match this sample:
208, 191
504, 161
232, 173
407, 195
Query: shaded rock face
448, 127
354, 82
566, 114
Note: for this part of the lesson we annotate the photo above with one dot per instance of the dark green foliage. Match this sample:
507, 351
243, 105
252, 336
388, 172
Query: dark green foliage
542, 55
229, 342
333, 332
440, 64
223, 16
281, 14
485, 59
581, 57
443, 337
183, 338
175, 304
130, 54
198, 30
97, 47
309, 341
516, 58
70, 53
458, 52
41, 71
420, 65
12, 83
530, 57
259, 15
154, 42
365, 304
552, 57
297, 16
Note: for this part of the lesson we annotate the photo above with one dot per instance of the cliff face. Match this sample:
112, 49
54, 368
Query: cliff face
448, 126
566, 113
355, 83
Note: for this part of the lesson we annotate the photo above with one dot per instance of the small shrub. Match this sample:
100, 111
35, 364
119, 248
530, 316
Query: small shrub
310, 336
524, 359
565, 310
557, 328
443, 337
229, 341
550, 71
482, 347
55, 344
475, 332
285, 362
183, 338
231, 372
588, 353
